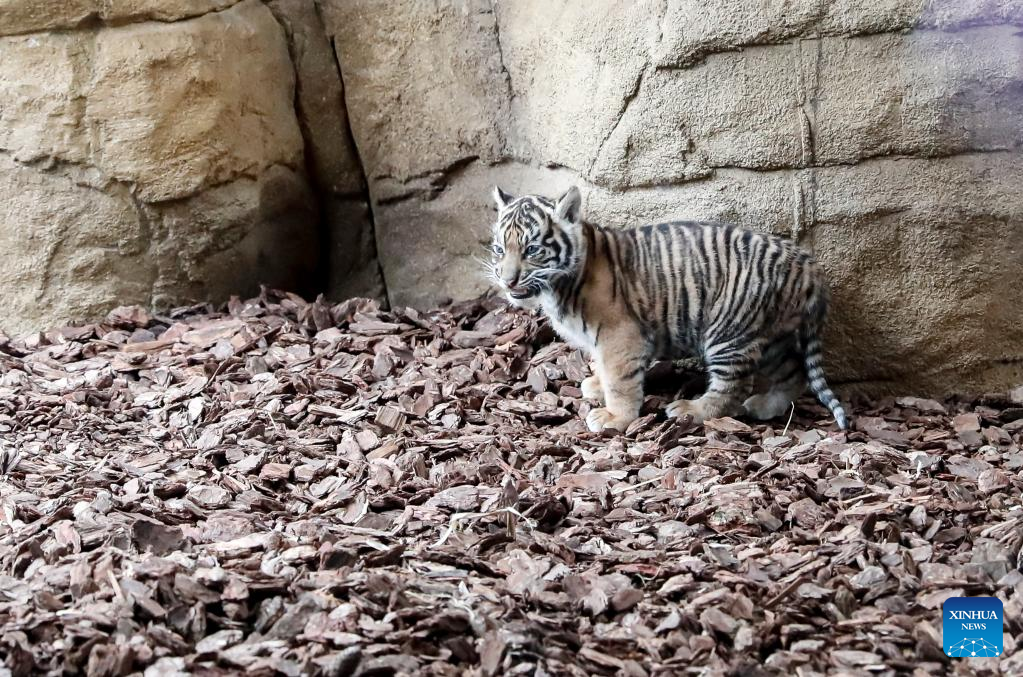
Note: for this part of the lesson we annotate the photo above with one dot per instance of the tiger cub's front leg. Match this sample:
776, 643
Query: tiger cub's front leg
592, 387
621, 361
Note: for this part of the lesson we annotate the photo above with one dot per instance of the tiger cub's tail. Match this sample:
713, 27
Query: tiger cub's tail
809, 333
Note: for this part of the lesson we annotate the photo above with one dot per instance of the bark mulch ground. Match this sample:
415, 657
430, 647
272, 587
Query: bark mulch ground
283, 487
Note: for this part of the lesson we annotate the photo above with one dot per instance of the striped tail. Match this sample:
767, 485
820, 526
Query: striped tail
812, 358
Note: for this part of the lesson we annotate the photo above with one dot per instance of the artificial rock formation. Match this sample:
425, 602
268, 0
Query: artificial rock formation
156, 153
162, 152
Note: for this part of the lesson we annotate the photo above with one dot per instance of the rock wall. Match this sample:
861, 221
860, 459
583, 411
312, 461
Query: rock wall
884, 135
160, 153
164, 152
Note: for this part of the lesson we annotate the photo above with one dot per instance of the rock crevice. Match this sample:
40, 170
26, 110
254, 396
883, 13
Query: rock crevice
347, 245
363, 195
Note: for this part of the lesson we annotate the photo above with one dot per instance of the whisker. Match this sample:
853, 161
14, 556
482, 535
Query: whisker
489, 269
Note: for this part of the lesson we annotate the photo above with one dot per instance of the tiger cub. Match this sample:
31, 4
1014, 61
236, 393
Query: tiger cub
750, 304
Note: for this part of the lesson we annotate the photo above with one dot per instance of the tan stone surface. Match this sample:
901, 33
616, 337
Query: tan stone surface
926, 93
69, 252
201, 103
425, 82
232, 238
170, 108
320, 101
150, 162
66, 250
925, 259
692, 29
733, 110
572, 82
39, 112
28, 16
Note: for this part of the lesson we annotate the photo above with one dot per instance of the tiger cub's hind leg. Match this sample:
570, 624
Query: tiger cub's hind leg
781, 371
731, 372
777, 401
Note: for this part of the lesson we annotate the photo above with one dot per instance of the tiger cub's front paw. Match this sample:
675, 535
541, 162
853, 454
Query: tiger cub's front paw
598, 419
592, 388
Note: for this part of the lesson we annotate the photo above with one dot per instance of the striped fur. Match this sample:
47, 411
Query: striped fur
752, 305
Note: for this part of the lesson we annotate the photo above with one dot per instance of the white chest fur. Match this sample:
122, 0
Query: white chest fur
569, 327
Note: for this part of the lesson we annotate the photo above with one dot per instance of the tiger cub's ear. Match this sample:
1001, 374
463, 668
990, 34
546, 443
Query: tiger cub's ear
569, 206
501, 198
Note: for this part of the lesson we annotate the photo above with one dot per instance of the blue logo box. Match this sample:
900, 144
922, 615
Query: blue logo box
971, 627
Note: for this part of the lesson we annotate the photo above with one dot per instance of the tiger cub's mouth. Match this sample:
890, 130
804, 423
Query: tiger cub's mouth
521, 292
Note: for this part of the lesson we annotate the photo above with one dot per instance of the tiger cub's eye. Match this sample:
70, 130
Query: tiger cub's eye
497, 249
531, 250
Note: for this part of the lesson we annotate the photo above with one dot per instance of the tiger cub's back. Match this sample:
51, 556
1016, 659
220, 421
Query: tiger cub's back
698, 282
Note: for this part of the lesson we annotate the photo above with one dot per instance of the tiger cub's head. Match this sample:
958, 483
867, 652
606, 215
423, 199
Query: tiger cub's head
536, 241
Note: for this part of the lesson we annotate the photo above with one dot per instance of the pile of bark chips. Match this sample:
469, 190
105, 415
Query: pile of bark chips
279, 487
